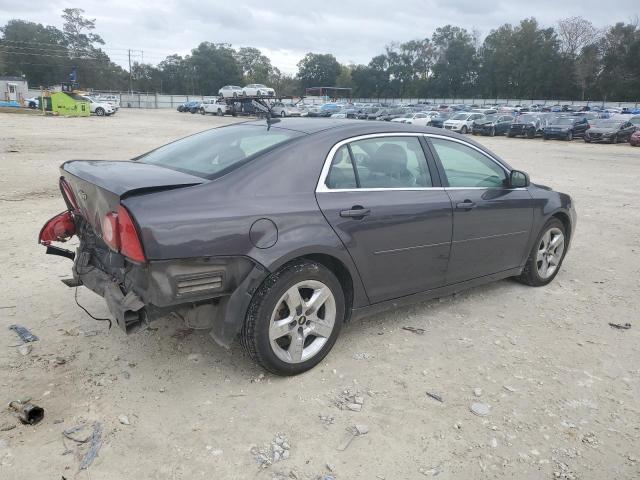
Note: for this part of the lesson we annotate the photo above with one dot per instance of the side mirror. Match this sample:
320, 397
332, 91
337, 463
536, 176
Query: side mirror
518, 179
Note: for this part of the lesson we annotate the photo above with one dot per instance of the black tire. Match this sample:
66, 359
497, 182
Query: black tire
569, 136
255, 331
614, 140
586, 140
529, 275
202, 111
545, 137
100, 112
531, 133
220, 114
510, 135
492, 132
283, 114
464, 129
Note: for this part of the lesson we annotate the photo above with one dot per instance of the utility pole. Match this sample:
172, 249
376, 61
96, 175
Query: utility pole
130, 79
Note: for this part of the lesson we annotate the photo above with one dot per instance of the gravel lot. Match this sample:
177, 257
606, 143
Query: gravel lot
562, 385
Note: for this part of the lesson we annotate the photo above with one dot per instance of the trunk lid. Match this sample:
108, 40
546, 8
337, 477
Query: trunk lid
100, 185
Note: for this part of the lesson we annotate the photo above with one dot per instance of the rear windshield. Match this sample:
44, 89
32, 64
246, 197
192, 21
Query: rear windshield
212, 153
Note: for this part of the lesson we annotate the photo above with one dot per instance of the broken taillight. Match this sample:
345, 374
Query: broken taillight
121, 235
59, 229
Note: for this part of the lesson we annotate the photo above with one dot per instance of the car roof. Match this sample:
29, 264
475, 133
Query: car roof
349, 127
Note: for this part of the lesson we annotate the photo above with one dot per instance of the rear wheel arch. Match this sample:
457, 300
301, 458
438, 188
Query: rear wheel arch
341, 272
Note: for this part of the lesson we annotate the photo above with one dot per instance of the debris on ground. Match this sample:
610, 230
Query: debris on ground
85, 434
28, 413
24, 333
352, 432
477, 392
24, 349
124, 420
327, 419
5, 427
480, 409
349, 400
435, 396
267, 455
620, 326
419, 331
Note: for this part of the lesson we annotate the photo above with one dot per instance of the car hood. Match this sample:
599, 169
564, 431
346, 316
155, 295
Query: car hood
484, 122
601, 130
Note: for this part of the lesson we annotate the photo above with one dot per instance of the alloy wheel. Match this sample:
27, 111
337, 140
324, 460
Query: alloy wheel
302, 321
550, 250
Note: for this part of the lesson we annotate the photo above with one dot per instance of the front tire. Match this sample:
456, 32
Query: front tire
546, 256
100, 112
569, 136
464, 130
294, 318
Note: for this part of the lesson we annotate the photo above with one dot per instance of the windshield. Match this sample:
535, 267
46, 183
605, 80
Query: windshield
460, 116
490, 118
563, 121
212, 153
605, 124
527, 119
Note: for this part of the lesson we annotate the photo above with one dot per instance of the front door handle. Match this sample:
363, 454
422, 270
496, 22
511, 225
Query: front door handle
357, 211
466, 205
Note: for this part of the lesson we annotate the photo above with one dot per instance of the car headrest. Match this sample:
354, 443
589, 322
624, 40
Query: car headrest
389, 159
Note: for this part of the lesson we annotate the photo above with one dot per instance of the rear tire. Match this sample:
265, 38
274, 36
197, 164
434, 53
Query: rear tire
278, 331
545, 258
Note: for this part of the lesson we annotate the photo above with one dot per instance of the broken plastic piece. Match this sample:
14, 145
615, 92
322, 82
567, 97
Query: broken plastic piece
24, 333
28, 413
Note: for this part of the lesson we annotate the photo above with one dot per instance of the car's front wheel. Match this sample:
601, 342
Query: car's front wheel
294, 318
546, 255
100, 112
464, 129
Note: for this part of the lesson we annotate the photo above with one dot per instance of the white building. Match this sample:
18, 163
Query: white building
13, 89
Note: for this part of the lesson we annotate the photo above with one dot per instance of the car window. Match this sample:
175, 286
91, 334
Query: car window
214, 152
466, 167
390, 162
341, 174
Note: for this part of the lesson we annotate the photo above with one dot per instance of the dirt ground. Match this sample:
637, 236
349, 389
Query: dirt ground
562, 385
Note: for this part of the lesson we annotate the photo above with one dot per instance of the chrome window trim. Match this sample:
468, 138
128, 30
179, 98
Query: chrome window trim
321, 186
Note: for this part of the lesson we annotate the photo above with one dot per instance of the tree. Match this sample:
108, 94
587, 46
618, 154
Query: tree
255, 67
318, 70
74, 28
455, 69
620, 49
211, 66
576, 33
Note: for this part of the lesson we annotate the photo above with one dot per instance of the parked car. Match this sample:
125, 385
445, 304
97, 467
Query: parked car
215, 106
528, 125
609, 130
493, 124
419, 118
257, 89
635, 120
462, 122
33, 102
366, 112
342, 235
282, 109
112, 100
392, 113
192, 106
565, 128
634, 140
98, 108
229, 91
438, 120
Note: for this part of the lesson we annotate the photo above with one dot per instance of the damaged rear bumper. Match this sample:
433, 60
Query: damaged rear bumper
209, 292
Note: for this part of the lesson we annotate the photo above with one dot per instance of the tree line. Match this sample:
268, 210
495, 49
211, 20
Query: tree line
571, 60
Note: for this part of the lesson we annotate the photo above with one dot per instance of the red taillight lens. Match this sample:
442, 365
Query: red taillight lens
120, 234
110, 232
59, 229
68, 195
130, 245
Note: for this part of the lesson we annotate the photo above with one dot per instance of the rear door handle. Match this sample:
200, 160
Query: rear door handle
466, 205
357, 212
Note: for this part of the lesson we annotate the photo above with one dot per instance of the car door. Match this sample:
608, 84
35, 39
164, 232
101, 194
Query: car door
385, 202
503, 123
491, 223
627, 130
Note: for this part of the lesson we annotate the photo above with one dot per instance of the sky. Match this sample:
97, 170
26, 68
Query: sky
284, 30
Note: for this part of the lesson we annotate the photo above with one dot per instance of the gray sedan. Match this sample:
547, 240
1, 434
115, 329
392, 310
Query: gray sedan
277, 234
